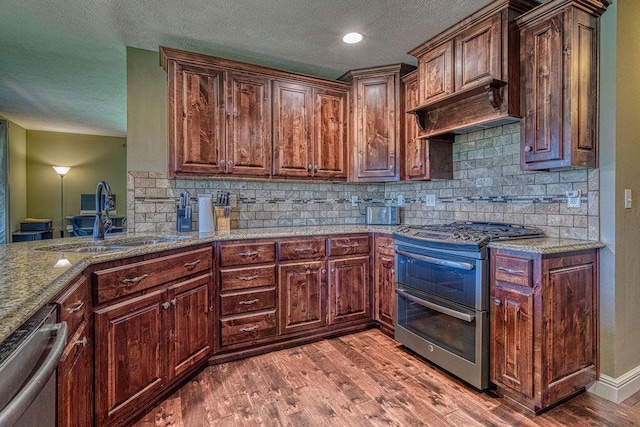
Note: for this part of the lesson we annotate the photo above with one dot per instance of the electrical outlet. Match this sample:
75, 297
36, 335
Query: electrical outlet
430, 200
400, 200
233, 200
354, 200
573, 198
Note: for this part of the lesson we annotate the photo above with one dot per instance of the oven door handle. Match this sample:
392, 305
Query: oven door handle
438, 261
444, 310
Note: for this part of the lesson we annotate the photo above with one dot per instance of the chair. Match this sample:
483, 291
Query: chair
79, 224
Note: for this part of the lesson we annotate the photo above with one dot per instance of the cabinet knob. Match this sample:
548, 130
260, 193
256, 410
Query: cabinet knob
174, 301
497, 301
316, 167
390, 167
419, 164
393, 271
527, 148
309, 167
324, 271
230, 162
165, 305
222, 162
333, 270
82, 342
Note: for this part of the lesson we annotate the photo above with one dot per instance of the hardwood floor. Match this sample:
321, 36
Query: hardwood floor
363, 379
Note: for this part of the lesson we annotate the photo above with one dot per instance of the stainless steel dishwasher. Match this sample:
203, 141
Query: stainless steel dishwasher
28, 361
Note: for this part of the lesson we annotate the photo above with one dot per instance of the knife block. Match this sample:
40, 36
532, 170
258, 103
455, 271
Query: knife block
222, 223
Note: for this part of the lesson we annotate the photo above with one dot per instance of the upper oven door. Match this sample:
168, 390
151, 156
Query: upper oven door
455, 278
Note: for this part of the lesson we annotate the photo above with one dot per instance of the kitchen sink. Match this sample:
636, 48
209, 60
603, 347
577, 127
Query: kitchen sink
91, 249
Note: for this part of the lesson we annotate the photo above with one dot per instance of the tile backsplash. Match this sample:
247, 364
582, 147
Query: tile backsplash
487, 185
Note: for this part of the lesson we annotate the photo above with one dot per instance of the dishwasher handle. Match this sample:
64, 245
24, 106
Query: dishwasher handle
11, 413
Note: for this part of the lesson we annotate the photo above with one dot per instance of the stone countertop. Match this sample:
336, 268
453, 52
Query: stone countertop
546, 245
30, 277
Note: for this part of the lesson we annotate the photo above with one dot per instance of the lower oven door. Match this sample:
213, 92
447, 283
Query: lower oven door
447, 334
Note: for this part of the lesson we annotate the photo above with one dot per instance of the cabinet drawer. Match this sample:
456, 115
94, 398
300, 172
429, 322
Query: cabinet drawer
247, 328
74, 304
247, 253
246, 302
349, 245
127, 279
302, 249
384, 244
244, 278
513, 270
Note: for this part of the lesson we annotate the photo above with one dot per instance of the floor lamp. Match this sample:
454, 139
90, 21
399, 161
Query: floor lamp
62, 171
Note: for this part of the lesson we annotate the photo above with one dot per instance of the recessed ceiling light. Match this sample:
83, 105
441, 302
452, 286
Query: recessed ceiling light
352, 38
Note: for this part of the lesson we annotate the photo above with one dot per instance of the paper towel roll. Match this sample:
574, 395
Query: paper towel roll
205, 214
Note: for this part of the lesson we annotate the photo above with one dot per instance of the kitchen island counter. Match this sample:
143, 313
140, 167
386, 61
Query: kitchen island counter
33, 273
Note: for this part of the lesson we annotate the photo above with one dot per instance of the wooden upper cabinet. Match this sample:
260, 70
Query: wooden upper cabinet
559, 60
468, 74
478, 54
196, 119
292, 121
436, 71
330, 133
424, 158
377, 128
249, 125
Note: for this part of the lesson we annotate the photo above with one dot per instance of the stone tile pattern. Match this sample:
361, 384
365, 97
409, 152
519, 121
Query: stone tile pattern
487, 185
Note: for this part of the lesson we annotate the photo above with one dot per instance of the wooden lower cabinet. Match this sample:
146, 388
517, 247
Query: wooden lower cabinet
303, 296
349, 289
75, 369
544, 325
147, 341
384, 282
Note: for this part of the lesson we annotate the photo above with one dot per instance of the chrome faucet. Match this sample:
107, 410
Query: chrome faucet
101, 227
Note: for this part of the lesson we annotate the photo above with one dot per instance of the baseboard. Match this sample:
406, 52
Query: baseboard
617, 389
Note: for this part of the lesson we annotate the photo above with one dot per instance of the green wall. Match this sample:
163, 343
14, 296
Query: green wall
17, 176
91, 158
146, 112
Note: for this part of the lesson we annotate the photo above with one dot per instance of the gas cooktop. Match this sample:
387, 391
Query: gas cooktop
464, 235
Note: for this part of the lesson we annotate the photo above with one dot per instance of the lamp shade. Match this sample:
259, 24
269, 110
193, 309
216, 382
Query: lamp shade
61, 170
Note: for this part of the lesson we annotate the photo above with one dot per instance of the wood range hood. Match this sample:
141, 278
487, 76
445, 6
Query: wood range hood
469, 74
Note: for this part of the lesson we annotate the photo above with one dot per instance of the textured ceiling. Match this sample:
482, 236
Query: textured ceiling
63, 63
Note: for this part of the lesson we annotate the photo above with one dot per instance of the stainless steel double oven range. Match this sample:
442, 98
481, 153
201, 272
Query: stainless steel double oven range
442, 293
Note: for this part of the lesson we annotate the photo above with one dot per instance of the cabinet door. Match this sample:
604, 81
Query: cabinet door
543, 80
435, 70
330, 133
249, 125
349, 297
376, 129
196, 122
292, 105
192, 323
130, 355
512, 339
478, 54
75, 380
302, 296
385, 289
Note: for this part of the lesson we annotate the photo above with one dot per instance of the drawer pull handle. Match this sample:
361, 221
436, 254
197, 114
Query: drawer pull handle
253, 328
497, 301
134, 280
192, 264
82, 342
251, 301
510, 271
303, 249
248, 254
387, 246
353, 245
248, 278
76, 307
